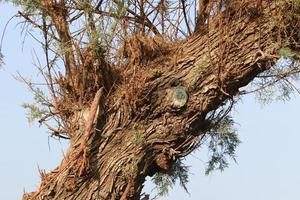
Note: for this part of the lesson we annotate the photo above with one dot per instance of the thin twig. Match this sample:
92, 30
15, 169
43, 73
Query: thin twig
36, 24
185, 17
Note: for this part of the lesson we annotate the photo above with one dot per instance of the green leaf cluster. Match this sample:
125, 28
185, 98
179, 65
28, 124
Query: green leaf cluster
1, 59
36, 110
28, 6
286, 52
222, 144
165, 181
278, 83
119, 8
296, 3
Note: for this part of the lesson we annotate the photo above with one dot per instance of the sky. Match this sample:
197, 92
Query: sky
268, 160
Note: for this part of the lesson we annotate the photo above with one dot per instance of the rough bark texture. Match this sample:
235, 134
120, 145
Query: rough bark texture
138, 137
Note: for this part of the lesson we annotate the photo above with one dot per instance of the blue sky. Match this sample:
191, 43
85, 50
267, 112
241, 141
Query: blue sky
268, 157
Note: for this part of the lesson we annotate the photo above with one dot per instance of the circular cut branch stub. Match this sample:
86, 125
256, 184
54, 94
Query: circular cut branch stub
178, 97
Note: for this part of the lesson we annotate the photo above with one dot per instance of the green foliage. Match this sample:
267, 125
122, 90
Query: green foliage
29, 6
296, 3
1, 59
36, 110
222, 143
62, 49
131, 167
165, 181
94, 44
85, 5
138, 136
286, 52
93, 32
278, 83
119, 8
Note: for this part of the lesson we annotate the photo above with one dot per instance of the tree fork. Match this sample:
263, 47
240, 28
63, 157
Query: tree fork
147, 135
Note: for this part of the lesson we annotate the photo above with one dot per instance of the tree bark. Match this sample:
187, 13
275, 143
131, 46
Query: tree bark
140, 131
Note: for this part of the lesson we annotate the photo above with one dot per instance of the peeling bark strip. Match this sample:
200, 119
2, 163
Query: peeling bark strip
88, 130
143, 132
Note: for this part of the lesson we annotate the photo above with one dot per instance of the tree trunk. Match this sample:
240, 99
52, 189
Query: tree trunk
143, 129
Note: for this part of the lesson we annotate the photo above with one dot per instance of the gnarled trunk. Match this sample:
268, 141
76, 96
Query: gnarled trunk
148, 121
